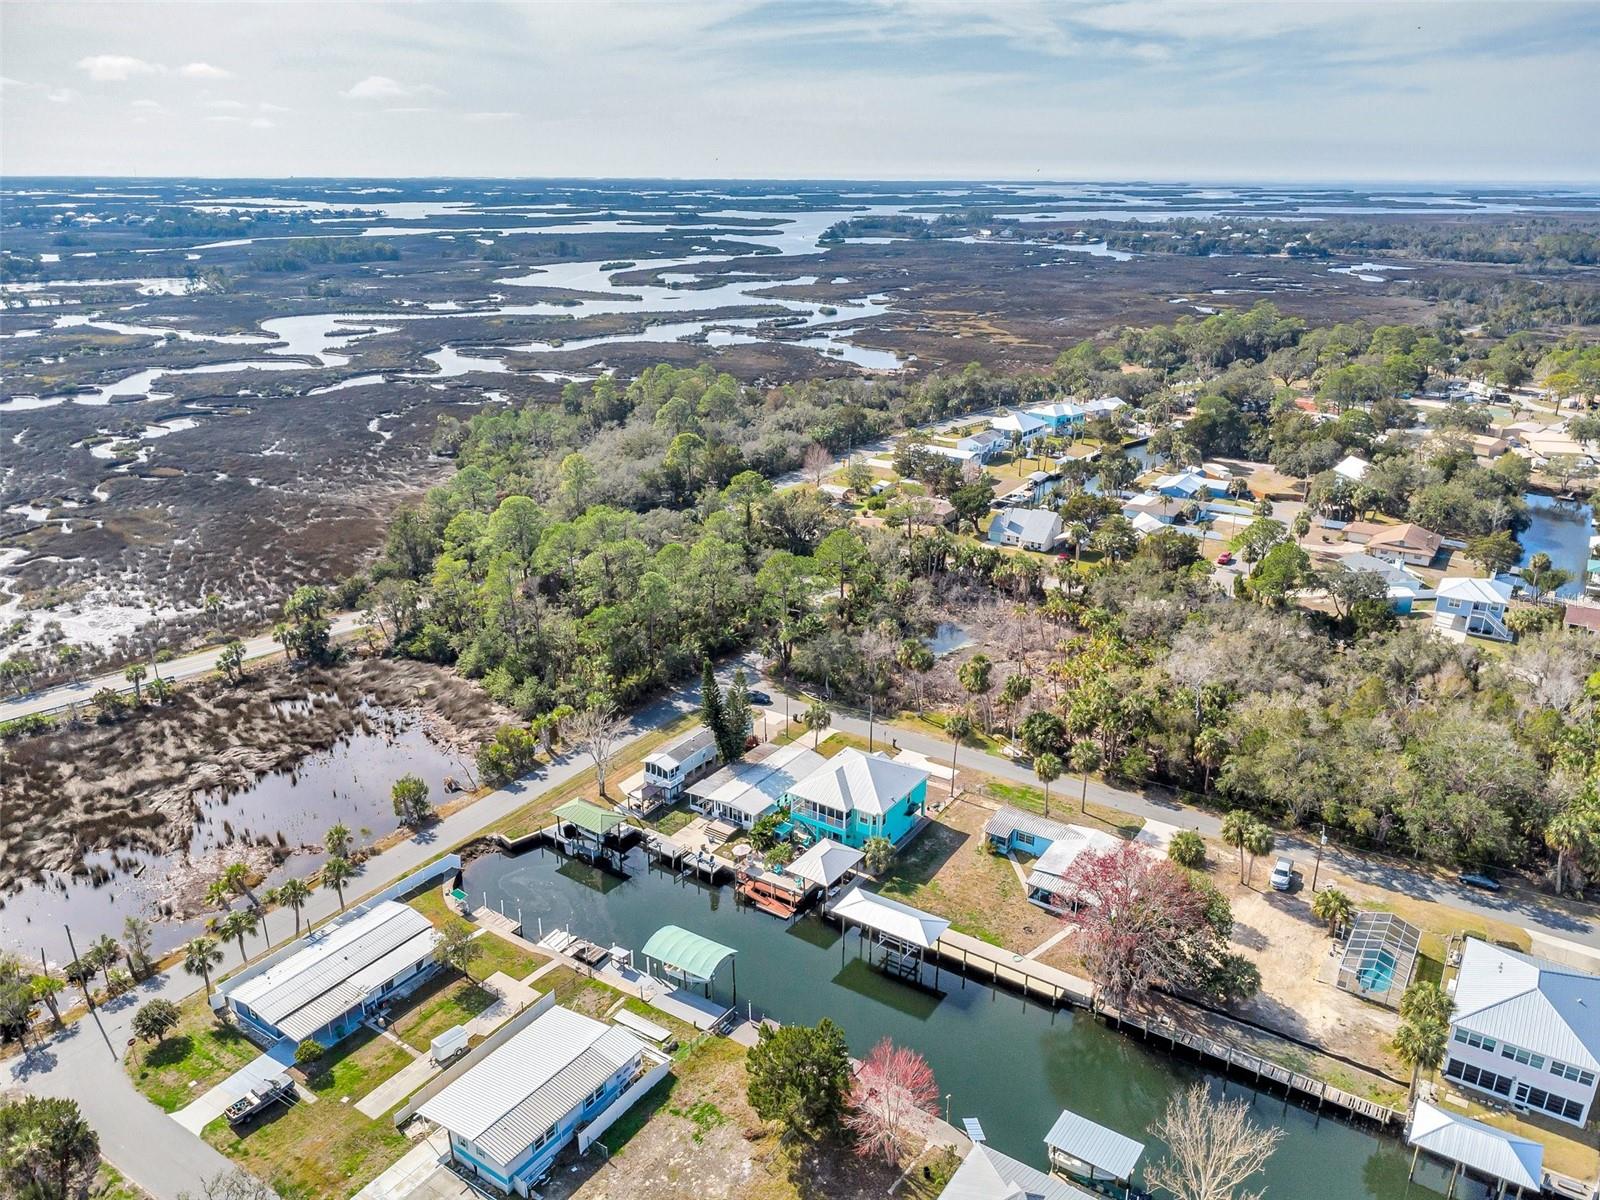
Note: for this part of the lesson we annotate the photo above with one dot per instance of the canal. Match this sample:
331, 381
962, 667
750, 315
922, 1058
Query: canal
1010, 1063
1562, 531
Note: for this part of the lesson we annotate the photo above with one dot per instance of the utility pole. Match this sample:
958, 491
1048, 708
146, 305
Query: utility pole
1322, 844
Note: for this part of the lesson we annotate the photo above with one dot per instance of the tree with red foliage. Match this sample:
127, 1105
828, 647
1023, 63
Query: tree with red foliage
1142, 920
891, 1092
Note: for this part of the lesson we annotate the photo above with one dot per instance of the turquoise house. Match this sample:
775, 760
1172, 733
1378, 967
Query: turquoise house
856, 796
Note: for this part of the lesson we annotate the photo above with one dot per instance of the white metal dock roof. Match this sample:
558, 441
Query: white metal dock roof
336, 966
506, 1102
826, 862
986, 1174
1102, 1148
1516, 1160
901, 921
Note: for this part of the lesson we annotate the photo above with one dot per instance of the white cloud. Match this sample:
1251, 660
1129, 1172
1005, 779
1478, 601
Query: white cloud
262, 123
381, 87
149, 105
490, 116
202, 70
221, 119
226, 104
61, 96
116, 68
268, 106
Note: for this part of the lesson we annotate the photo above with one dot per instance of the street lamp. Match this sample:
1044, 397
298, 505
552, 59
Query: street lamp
1322, 845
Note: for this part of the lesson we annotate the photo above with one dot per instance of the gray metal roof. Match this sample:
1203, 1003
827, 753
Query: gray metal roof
1039, 525
509, 1100
826, 862
1530, 1002
986, 1174
1010, 820
690, 744
852, 781
1516, 1160
754, 787
1102, 1148
328, 958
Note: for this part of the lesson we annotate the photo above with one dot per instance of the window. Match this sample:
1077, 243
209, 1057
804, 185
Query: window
1526, 1057
592, 1097
1577, 1074
1476, 1077
1467, 1037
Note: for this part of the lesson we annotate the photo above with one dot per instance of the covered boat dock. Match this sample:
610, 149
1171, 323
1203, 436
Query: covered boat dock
905, 935
587, 831
1091, 1152
1504, 1158
689, 956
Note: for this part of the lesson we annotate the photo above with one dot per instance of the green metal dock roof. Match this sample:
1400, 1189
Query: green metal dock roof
696, 956
590, 818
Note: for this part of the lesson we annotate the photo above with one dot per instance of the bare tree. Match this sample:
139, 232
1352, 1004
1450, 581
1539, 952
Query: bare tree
816, 463
231, 1185
892, 1097
596, 730
1213, 1148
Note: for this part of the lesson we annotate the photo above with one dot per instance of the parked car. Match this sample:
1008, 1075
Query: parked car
1478, 879
1283, 875
759, 697
258, 1099
1225, 559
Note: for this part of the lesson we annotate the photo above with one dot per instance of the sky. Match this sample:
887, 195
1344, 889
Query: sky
1194, 90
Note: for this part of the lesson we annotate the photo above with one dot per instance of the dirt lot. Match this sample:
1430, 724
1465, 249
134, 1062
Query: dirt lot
135, 783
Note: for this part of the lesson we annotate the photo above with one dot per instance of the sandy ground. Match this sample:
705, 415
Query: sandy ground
135, 783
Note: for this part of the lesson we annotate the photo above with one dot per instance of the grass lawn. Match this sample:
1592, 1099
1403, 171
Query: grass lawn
673, 820
501, 955
430, 903
1064, 806
327, 1148
531, 816
110, 1185
197, 1054
596, 998
445, 1003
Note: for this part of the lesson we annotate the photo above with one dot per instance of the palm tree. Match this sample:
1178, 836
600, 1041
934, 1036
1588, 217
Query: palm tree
1085, 758
337, 841
1333, 906
134, 674
959, 727
1047, 767
136, 937
818, 717
199, 956
336, 872
1258, 840
1421, 1044
878, 853
1425, 1001
219, 894
103, 953
293, 893
1568, 832
237, 876
1210, 751
235, 925
1235, 827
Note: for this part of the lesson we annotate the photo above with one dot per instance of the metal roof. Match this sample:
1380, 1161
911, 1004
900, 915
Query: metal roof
986, 1174
510, 1099
1530, 1002
340, 999
1027, 524
1102, 1148
591, 818
901, 921
754, 787
676, 753
855, 782
1478, 591
1073, 842
1473, 1144
1013, 820
328, 958
826, 862
688, 951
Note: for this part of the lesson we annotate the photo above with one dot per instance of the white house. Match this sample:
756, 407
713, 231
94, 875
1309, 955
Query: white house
1404, 588
1354, 468
668, 770
1471, 607
979, 447
1020, 427
511, 1113
1030, 528
1526, 1030
744, 792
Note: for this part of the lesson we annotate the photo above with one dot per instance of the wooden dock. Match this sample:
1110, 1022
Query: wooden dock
1033, 979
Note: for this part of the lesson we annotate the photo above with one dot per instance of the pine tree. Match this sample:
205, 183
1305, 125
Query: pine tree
714, 715
737, 715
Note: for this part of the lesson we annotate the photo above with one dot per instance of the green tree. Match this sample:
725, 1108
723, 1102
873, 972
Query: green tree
1047, 767
1188, 849
199, 956
975, 675
1425, 1000
1236, 825
959, 727
47, 1150
337, 872
155, 1020
410, 796
737, 713
1494, 552
878, 853
1332, 907
1421, 1045
459, 947
1210, 751
308, 1054
799, 1075
104, 953
1258, 840
231, 660
135, 674
714, 715
1085, 760
817, 718
235, 925
338, 840
292, 893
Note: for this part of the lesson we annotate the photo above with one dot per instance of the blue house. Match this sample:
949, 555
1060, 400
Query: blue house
512, 1112
1011, 829
1060, 416
856, 796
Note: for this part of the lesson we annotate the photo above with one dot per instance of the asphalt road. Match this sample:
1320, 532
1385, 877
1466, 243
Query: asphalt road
202, 662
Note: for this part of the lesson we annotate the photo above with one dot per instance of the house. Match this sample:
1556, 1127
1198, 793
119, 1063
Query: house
1031, 528
1584, 617
1046, 883
1144, 525
1526, 1030
1404, 588
1060, 416
1020, 428
1470, 607
512, 1112
745, 791
978, 447
855, 796
1486, 448
1354, 468
986, 1174
671, 769
1103, 407
1152, 504
1409, 544
337, 976
1188, 485
1011, 829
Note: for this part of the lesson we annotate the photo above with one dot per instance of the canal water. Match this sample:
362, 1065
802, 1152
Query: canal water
1012, 1064
1562, 531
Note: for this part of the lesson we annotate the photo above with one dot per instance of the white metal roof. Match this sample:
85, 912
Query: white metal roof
1066, 848
507, 1101
1009, 820
1019, 422
1478, 591
1530, 1002
675, 754
986, 1174
1104, 1149
901, 921
341, 998
330, 957
1516, 1160
852, 781
1352, 467
1027, 524
1055, 411
826, 862
753, 787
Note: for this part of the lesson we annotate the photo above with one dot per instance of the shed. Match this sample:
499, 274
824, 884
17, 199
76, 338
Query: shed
688, 954
1078, 1146
1504, 1157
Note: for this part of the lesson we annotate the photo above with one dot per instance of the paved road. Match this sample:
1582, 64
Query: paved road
1519, 906
200, 663
147, 1145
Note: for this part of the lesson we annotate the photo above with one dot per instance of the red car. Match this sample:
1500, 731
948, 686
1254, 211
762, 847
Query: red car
1225, 559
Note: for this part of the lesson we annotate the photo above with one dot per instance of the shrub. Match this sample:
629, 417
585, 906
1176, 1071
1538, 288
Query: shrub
1188, 849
